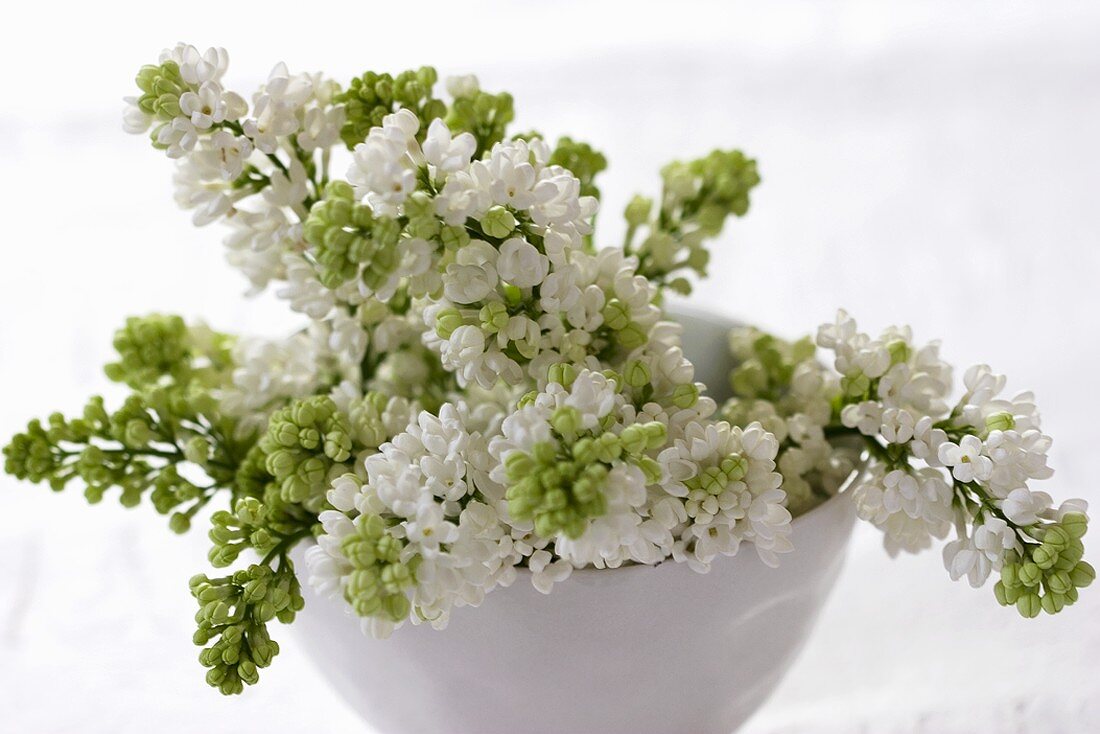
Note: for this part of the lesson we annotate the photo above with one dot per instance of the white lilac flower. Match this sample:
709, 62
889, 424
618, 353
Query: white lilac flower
966, 460
211, 105
257, 242
382, 171
303, 290
615, 537
513, 174
1070, 505
521, 264
197, 67
547, 571
1024, 507
462, 86
288, 188
910, 507
725, 476
927, 440
446, 153
270, 372
277, 108
473, 276
465, 195
1016, 458
464, 354
980, 554
479, 559
461, 552
839, 333
178, 137
320, 128
866, 417
199, 186
898, 425
348, 338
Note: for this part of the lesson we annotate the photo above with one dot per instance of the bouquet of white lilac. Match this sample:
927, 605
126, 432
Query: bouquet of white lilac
479, 388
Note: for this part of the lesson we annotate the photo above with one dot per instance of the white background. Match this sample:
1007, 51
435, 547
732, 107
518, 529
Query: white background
931, 163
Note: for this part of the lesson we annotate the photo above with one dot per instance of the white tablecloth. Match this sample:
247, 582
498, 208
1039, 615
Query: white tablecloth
931, 163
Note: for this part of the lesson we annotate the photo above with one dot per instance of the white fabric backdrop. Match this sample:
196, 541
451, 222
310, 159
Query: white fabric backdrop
934, 163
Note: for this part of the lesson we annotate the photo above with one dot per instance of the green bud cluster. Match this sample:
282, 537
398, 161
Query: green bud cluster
245, 527
697, 198
161, 87
766, 364
366, 420
708, 190
372, 96
304, 441
348, 237
150, 348
169, 420
714, 479
377, 586
498, 222
484, 115
583, 160
234, 612
559, 484
1045, 577
625, 332
421, 218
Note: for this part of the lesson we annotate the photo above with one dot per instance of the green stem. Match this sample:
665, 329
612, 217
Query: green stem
280, 550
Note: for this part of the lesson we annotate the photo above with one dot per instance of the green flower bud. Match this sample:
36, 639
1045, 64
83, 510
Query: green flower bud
749, 379
1056, 538
1075, 524
372, 96
562, 373
638, 210
1053, 603
631, 336
637, 373
656, 435
1058, 582
608, 447
685, 396
484, 115
634, 439
1000, 422
494, 317
447, 321
650, 468
498, 222
179, 523
616, 314
698, 259
1044, 556
454, 237
680, 285
304, 441
1030, 574
582, 160
855, 385
566, 421
1082, 575
1029, 605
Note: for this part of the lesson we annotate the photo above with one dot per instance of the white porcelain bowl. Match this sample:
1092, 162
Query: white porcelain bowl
634, 650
